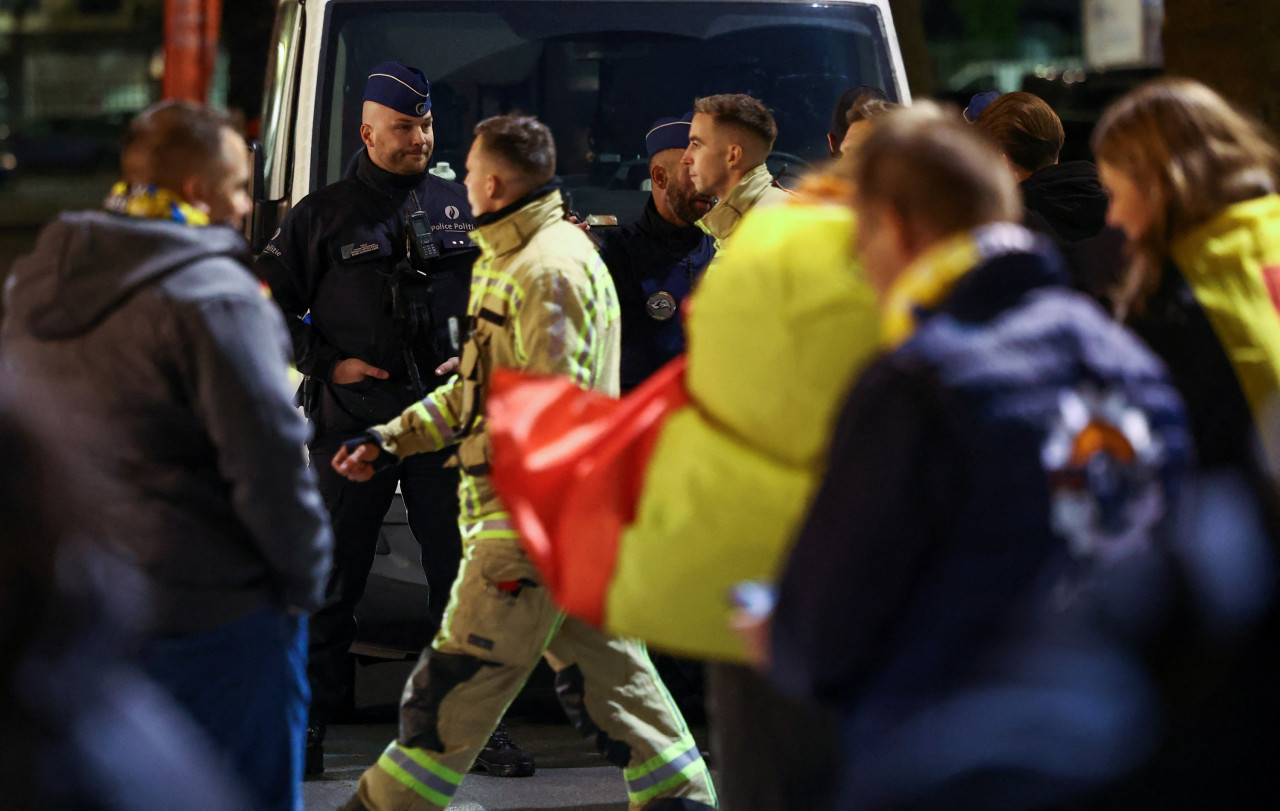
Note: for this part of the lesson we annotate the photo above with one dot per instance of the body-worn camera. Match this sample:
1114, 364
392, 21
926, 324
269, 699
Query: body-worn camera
421, 247
412, 296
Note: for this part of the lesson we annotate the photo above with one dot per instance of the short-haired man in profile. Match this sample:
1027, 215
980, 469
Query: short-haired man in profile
541, 301
656, 261
146, 335
842, 115
730, 138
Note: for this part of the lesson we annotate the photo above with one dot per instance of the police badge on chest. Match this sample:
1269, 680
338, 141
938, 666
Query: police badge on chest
661, 306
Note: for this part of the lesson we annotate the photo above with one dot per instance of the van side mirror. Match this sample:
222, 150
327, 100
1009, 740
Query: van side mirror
261, 224
257, 175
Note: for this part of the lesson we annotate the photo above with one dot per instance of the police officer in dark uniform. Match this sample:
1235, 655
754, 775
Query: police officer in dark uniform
655, 261
373, 273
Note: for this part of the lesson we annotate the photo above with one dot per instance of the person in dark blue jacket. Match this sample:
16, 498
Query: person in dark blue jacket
979, 571
656, 261
372, 273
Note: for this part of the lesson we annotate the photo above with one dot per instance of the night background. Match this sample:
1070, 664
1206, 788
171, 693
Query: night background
72, 72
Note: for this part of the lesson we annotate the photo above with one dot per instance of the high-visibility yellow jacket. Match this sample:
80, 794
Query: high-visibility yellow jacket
776, 336
541, 301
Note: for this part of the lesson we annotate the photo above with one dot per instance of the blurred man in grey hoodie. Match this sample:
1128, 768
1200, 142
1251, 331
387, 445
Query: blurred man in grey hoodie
141, 334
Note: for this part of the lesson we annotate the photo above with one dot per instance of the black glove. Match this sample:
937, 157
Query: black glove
385, 459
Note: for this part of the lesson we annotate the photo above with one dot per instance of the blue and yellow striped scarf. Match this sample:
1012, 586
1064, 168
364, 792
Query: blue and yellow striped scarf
152, 203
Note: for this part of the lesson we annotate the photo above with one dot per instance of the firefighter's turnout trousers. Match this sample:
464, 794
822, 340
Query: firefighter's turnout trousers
500, 620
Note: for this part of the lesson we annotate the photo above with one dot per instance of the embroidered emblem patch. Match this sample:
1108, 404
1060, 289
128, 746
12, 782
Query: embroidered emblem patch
1103, 466
452, 212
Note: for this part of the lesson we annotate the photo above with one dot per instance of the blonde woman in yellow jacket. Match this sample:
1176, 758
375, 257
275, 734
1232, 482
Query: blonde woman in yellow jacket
1195, 185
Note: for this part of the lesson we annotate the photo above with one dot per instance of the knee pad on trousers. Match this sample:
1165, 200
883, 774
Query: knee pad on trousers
420, 713
571, 692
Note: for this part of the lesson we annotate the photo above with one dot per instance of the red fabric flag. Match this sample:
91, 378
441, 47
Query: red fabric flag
569, 464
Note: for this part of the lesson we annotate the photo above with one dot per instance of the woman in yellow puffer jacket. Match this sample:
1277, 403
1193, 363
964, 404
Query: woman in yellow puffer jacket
776, 334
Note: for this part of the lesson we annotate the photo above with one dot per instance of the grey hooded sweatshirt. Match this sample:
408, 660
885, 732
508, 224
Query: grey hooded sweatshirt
162, 368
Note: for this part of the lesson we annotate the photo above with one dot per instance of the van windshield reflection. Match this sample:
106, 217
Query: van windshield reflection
598, 74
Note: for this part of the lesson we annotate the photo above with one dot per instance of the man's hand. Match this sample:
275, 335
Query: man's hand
353, 370
448, 367
356, 465
582, 224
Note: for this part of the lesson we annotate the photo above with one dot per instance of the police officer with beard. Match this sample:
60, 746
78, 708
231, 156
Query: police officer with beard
372, 273
655, 261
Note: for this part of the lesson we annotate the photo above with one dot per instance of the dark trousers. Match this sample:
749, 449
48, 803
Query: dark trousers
356, 510
772, 753
244, 684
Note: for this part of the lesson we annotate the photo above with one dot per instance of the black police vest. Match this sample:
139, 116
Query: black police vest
394, 298
654, 266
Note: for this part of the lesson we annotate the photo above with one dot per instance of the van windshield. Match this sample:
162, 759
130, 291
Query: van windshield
598, 74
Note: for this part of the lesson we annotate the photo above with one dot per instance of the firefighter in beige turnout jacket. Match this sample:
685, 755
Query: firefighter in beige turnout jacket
541, 301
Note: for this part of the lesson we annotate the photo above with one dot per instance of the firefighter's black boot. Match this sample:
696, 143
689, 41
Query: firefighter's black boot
502, 758
313, 763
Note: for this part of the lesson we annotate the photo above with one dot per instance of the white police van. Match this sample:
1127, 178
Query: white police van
597, 72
